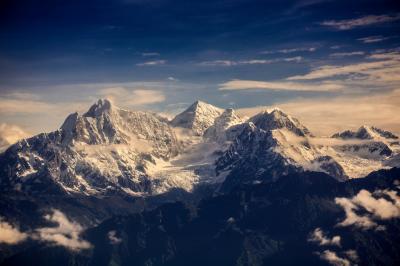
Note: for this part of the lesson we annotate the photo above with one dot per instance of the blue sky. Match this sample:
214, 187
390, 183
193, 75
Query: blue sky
59, 56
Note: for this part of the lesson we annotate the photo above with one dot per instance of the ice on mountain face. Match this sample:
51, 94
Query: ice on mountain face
198, 117
224, 128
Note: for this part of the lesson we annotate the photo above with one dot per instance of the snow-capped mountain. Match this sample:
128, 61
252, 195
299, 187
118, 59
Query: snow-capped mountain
100, 151
198, 117
366, 132
273, 144
225, 127
112, 150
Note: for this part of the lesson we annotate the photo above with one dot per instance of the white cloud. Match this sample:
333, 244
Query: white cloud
152, 63
279, 85
172, 79
319, 237
348, 24
135, 97
372, 39
10, 134
66, 234
332, 258
112, 236
347, 54
10, 234
380, 205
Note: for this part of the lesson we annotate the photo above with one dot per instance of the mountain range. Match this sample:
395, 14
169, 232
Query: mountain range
260, 186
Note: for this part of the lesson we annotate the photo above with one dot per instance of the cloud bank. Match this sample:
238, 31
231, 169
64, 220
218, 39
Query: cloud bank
380, 205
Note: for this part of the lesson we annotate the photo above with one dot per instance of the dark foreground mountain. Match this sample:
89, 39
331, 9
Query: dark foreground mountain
305, 218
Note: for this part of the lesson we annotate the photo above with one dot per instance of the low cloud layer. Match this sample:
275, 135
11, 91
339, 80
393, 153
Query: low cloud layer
332, 258
366, 209
10, 134
10, 234
66, 233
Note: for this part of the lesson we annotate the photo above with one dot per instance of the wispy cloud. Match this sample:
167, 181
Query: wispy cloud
344, 54
290, 50
149, 54
172, 79
135, 97
373, 39
152, 63
228, 63
385, 70
10, 234
348, 24
279, 85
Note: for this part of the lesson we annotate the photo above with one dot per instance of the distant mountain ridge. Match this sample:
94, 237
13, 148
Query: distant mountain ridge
109, 149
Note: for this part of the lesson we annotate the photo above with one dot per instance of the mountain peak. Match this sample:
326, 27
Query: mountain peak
198, 117
100, 107
366, 132
277, 119
220, 130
